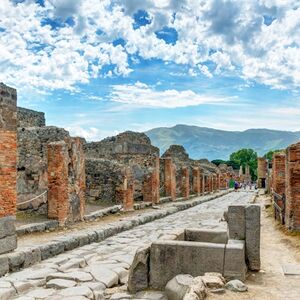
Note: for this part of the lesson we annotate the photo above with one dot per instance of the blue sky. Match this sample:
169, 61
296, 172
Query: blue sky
99, 68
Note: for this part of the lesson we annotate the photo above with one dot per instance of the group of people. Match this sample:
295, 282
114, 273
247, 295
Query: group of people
244, 185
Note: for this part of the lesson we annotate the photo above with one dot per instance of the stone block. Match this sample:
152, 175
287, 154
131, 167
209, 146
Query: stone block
170, 258
7, 226
253, 237
236, 222
16, 260
8, 243
4, 266
32, 256
234, 263
139, 271
206, 235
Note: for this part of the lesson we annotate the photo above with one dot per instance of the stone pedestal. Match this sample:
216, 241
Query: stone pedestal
8, 167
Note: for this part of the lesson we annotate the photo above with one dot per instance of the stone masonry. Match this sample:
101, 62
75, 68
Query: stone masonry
8, 163
292, 182
30, 118
66, 181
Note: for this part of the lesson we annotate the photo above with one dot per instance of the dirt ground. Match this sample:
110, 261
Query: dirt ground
278, 247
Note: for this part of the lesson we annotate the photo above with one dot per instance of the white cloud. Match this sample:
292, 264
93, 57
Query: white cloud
230, 35
142, 95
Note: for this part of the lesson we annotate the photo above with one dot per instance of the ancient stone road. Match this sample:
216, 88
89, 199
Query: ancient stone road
85, 272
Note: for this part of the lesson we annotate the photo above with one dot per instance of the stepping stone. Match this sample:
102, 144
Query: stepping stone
60, 283
291, 269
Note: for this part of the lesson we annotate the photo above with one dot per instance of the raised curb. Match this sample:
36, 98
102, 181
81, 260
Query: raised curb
27, 256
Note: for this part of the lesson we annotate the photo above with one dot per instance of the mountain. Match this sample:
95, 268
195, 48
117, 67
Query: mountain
202, 142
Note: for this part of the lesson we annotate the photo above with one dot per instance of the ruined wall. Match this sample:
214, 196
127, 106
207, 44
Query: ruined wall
32, 164
292, 213
103, 177
8, 161
129, 149
66, 181
278, 173
30, 118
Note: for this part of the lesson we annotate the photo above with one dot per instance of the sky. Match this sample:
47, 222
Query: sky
100, 67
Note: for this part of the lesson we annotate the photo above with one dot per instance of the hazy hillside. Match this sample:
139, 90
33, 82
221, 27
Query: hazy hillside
210, 143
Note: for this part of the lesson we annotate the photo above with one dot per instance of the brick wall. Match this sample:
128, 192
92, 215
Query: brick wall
8, 167
66, 181
292, 216
278, 173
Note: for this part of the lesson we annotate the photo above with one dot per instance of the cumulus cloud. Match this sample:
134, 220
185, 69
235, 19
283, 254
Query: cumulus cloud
142, 95
65, 43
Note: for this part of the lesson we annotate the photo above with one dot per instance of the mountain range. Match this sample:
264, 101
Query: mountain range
202, 142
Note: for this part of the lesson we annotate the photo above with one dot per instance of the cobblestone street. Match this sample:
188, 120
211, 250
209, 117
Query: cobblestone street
84, 273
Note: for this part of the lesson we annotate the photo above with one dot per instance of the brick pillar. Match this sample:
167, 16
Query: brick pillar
210, 183
66, 181
185, 182
124, 193
202, 182
292, 183
278, 170
8, 168
151, 184
262, 170
170, 178
196, 180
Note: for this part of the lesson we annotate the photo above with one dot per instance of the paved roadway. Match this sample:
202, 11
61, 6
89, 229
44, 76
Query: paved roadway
85, 272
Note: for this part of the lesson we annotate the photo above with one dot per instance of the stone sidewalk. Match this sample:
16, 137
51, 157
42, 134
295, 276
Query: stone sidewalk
51, 244
87, 272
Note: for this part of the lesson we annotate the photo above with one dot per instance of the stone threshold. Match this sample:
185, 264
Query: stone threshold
25, 257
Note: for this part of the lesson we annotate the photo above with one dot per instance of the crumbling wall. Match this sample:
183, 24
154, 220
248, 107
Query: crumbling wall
30, 118
8, 161
129, 149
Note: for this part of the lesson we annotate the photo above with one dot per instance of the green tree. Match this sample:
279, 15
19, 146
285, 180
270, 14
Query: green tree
245, 157
269, 155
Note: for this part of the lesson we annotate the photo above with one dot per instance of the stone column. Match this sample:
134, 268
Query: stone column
185, 182
8, 168
170, 178
196, 180
66, 181
151, 184
292, 183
